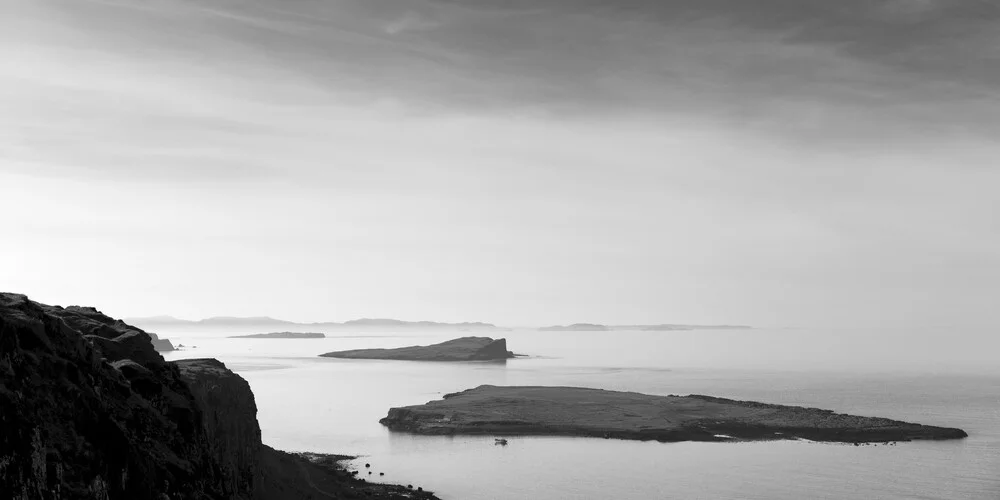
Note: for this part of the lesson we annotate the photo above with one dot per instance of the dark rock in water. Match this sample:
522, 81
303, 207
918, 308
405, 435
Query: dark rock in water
89, 410
281, 335
627, 415
462, 349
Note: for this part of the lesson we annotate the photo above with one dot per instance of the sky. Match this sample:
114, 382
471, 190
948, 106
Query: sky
773, 163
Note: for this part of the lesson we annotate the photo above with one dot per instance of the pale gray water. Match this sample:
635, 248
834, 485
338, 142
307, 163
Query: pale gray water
945, 378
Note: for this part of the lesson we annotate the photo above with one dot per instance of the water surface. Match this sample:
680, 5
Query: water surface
330, 405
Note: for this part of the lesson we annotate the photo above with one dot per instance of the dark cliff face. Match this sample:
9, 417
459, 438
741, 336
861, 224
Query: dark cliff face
89, 410
161, 345
496, 349
229, 420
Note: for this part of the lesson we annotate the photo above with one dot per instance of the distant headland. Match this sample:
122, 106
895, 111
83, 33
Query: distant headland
267, 323
592, 327
281, 335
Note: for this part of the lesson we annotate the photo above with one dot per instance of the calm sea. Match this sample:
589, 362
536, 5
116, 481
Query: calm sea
949, 378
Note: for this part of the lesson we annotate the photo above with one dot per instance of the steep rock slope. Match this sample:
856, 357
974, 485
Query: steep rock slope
89, 410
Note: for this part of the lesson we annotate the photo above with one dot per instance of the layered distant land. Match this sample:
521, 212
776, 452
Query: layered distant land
265, 323
282, 335
573, 411
591, 327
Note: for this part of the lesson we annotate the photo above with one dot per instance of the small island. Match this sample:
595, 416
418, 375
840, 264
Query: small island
571, 411
461, 349
281, 335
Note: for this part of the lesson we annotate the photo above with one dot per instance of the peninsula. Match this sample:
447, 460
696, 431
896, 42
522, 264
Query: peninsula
461, 349
281, 335
570, 411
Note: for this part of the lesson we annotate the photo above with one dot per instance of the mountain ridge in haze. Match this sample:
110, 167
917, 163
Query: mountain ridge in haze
227, 322
665, 327
166, 321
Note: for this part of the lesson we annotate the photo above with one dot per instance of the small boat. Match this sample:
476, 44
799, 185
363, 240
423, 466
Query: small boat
500, 441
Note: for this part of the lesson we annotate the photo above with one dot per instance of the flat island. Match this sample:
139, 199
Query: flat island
281, 335
571, 411
461, 349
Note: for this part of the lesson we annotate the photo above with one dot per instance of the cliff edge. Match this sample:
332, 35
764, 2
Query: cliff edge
90, 410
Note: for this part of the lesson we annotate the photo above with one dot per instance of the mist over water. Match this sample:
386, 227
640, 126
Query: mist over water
776, 162
332, 405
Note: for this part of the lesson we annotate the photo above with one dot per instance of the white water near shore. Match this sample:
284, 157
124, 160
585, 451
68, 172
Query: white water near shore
307, 403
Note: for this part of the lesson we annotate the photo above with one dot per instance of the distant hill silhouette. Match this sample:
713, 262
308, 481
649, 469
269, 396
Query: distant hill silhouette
268, 323
576, 327
591, 327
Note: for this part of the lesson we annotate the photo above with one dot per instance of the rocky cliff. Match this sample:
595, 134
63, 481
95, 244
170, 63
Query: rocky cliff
161, 345
89, 410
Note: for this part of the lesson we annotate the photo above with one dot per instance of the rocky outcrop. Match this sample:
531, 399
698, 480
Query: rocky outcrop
627, 415
89, 410
161, 345
462, 349
229, 421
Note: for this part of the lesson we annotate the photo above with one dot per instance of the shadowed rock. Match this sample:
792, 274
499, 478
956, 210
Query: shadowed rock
161, 345
628, 415
462, 349
89, 410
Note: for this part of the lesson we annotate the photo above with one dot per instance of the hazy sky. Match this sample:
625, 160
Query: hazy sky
775, 162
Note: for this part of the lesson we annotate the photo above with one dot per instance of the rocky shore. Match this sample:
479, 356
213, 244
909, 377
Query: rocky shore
461, 349
570, 411
90, 410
